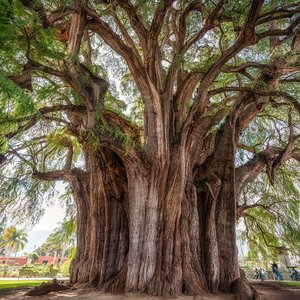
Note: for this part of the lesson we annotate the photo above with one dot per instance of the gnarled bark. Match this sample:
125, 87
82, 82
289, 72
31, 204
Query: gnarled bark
148, 229
158, 216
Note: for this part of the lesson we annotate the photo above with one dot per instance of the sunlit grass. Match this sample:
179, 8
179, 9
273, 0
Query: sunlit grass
292, 283
12, 284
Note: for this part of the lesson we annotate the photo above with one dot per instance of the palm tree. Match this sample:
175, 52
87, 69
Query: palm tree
60, 239
65, 234
14, 239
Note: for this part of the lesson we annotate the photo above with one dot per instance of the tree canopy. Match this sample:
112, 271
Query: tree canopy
36, 132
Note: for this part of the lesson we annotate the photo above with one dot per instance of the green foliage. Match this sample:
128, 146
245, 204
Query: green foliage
60, 241
65, 268
20, 101
293, 284
72, 252
28, 271
275, 221
39, 271
137, 111
118, 136
114, 104
93, 139
34, 256
44, 146
22, 195
13, 240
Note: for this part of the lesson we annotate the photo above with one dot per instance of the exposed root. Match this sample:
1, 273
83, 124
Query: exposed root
116, 284
193, 283
47, 287
162, 287
244, 291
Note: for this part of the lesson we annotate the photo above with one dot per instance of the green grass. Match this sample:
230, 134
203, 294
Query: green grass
12, 284
292, 283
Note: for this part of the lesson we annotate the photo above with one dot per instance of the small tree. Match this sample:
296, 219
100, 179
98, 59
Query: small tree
34, 257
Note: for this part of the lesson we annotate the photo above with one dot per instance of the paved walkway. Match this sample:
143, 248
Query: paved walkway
276, 290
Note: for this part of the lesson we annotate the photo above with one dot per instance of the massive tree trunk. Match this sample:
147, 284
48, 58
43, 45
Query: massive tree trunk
102, 234
164, 228
156, 215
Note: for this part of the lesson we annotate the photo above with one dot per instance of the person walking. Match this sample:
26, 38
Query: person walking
276, 272
294, 274
256, 274
261, 274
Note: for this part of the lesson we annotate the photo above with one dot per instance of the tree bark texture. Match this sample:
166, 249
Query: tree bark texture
162, 229
159, 216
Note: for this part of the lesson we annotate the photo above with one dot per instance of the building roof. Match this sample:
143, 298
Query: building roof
21, 261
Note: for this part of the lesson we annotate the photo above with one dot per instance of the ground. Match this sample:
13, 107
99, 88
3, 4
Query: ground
92, 295
271, 290
275, 290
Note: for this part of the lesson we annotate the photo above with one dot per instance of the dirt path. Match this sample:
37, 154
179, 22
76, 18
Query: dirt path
275, 290
88, 295
271, 290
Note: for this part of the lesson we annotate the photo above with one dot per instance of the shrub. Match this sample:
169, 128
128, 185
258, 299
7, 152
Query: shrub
65, 268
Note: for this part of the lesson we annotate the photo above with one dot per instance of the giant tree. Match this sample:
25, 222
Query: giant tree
156, 189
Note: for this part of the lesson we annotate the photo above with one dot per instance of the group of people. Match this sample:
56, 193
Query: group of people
260, 273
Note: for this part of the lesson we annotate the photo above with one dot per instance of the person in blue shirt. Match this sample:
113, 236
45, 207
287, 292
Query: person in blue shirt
294, 274
276, 272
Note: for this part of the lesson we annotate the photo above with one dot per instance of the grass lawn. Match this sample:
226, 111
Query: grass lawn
12, 284
292, 283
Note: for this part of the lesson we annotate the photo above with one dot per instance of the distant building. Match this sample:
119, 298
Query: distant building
22, 261
51, 260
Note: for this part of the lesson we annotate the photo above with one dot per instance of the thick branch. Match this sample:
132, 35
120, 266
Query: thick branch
32, 120
125, 34
248, 172
242, 208
134, 62
210, 22
158, 20
39, 9
67, 175
24, 80
280, 32
246, 38
135, 21
271, 158
152, 56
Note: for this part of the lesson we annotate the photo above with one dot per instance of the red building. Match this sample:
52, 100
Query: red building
50, 260
21, 261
